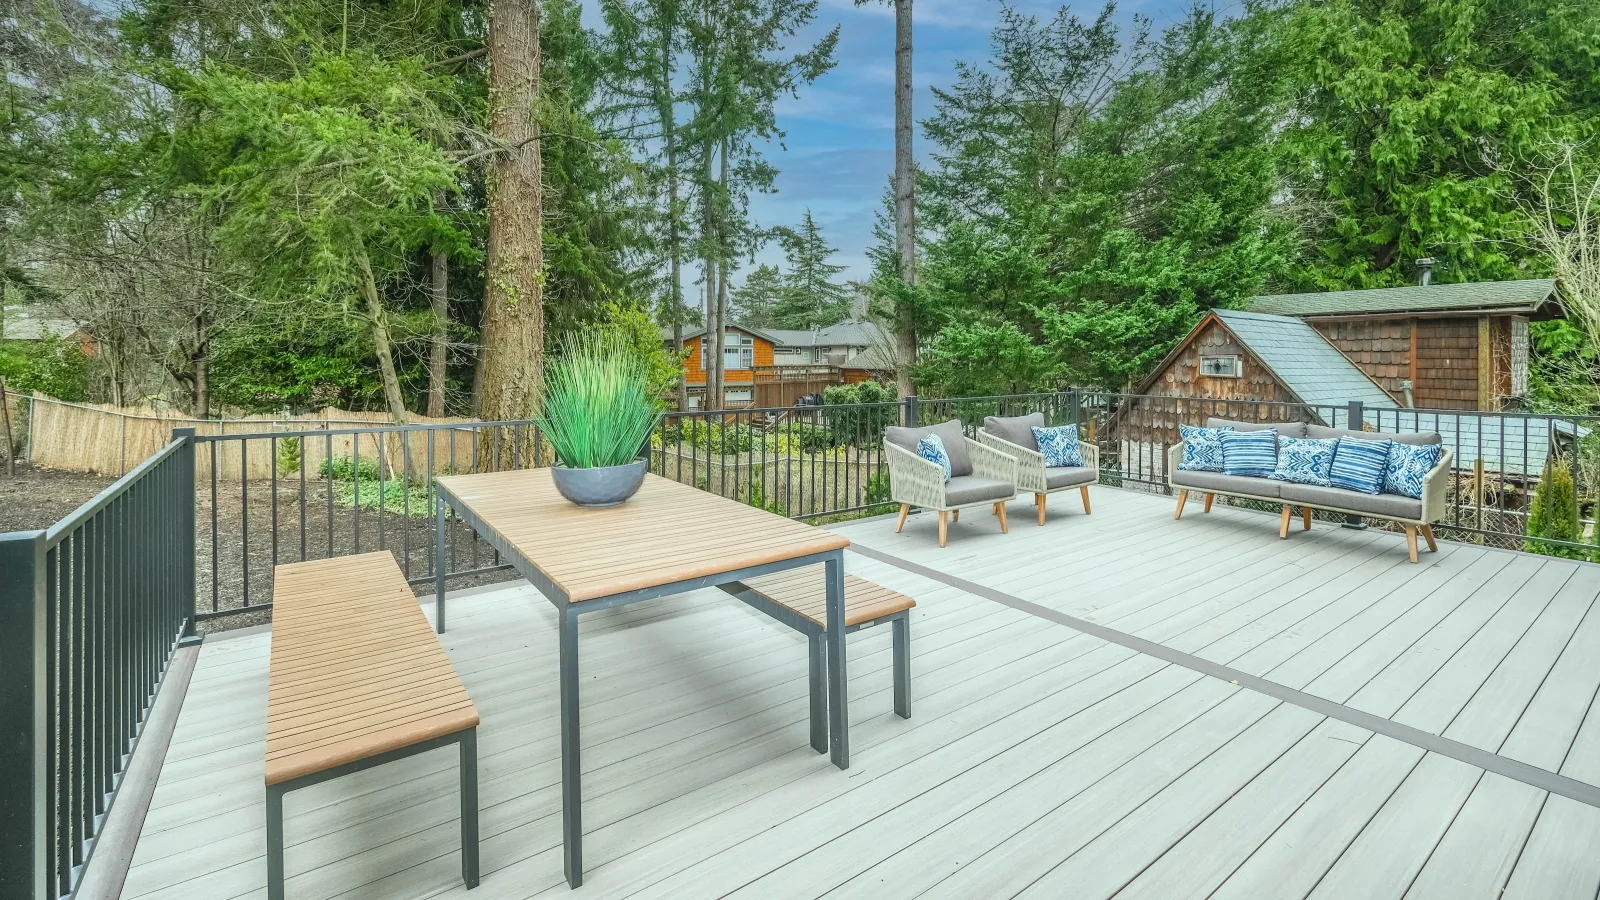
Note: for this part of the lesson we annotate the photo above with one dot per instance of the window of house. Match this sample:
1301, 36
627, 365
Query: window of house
1220, 366
736, 397
738, 352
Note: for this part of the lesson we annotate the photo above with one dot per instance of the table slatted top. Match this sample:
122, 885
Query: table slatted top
666, 533
805, 590
356, 669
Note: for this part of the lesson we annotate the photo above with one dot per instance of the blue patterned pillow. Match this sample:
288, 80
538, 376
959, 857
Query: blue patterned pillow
931, 448
1059, 445
1250, 453
1202, 448
1407, 466
1359, 465
1305, 460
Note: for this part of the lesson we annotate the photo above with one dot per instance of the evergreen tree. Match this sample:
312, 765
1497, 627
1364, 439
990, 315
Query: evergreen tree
755, 303
810, 297
1553, 513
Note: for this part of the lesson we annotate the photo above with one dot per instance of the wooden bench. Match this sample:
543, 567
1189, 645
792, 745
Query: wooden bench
798, 598
358, 679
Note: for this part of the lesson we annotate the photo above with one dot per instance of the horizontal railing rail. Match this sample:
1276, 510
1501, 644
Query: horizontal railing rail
91, 611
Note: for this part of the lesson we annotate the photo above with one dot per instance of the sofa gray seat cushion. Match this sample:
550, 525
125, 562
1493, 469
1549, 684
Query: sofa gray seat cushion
955, 443
1056, 477
1218, 483
1015, 429
1389, 506
1285, 429
1416, 439
961, 490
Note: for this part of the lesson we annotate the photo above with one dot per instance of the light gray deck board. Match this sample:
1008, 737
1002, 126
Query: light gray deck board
1038, 759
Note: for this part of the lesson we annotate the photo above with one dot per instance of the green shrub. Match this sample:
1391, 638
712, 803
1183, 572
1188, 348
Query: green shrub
345, 468
1554, 513
857, 414
288, 461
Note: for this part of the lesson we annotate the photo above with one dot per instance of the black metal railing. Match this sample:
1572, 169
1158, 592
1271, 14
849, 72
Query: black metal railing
91, 611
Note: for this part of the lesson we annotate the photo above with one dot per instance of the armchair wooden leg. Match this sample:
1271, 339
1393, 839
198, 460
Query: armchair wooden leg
1433, 545
1182, 497
1038, 500
1209, 498
1305, 517
901, 522
944, 527
1083, 491
955, 515
1000, 510
1283, 523
1411, 541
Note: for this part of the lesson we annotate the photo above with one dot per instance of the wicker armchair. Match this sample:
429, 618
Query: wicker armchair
1033, 474
984, 476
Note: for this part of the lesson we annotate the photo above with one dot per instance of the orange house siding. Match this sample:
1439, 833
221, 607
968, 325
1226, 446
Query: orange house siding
695, 373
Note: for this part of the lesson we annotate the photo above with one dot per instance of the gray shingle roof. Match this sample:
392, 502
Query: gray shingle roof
33, 325
1306, 363
844, 334
1508, 443
1505, 296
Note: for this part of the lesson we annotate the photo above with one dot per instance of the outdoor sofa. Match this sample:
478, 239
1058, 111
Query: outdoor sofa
1414, 515
979, 475
1014, 437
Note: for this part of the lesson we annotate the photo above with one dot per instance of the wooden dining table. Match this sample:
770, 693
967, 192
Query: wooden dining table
666, 539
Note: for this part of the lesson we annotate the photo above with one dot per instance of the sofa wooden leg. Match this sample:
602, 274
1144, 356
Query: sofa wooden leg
1209, 498
1433, 545
900, 523
944, 527
1182, 496
1038, 500
1283, 523
1305, 518
1411, 541
1083, 491
1000, 511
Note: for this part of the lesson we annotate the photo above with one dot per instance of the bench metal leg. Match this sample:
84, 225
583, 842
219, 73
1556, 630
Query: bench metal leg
438, 565
819, 697
902, 665
274, 842
571, 766
469, 807
838, 679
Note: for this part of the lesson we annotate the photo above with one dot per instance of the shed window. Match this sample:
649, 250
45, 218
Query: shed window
1220, 366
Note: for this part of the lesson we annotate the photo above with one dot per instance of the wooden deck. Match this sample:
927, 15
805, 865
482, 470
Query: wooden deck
1042, 760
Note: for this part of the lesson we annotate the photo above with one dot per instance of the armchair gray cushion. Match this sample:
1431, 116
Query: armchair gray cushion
961, 490
1015, 429
1218, 483
1391, 506
1285, 429
955, 443
1057, 477
1415, 439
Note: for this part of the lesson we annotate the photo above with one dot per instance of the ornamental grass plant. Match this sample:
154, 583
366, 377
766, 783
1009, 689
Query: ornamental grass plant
598, 409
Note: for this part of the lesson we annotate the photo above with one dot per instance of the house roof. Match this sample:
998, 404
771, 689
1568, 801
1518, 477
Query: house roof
31, 325
1482, 296
1303, 361
844, 334
875, 358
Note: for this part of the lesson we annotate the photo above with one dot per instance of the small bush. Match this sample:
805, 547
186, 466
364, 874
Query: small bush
857, 414
345, 468
288, 461
1554, 513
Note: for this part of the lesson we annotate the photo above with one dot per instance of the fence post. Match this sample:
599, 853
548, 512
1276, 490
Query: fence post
911, 411
5, 429
23, 841
184, 512
1354, 419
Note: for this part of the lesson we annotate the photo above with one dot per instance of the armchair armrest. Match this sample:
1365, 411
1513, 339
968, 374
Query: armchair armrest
987, 462
1029, 467
1435, 487
912, 479
1091, 455
1174, 457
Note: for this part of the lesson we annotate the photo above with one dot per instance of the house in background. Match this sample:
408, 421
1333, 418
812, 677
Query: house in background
766, 367
1432, 346
31, 324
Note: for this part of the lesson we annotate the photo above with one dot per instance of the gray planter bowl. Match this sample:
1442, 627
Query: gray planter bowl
605, 486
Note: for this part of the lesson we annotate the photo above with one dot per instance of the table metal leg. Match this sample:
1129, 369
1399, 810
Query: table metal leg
838, 685
819, 696
902, 665
571, 765
274, 843
438, 565
469, 807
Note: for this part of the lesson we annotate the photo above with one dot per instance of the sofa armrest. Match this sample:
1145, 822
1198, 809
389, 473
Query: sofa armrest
1174, 456
912, 479
1436, 487
987, 462
1029, 468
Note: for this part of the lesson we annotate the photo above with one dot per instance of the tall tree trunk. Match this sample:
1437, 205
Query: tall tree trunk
722, 254
715, 327
202, 383
905, 237
513, 315
669, 135
379, 322
438, 352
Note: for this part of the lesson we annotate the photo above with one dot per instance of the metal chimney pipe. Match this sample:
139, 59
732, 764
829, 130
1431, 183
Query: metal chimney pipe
1406, 388
1425, 267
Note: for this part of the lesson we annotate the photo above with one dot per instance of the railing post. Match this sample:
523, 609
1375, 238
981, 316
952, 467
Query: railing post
1354, 419
911, 411
23, 707
185, 529
1075, 408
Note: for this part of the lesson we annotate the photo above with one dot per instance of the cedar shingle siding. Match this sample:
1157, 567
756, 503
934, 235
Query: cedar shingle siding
1447, 363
